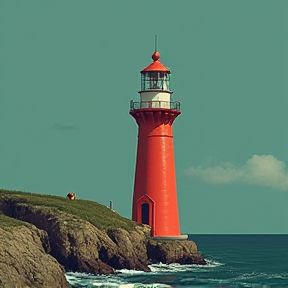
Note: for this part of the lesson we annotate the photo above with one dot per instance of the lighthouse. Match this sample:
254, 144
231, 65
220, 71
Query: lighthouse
155, 191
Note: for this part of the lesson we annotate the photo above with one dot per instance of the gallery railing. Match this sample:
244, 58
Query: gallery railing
155, 104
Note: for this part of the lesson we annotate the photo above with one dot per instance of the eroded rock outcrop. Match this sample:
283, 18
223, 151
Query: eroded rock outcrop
25, 263
182, 252
80, 246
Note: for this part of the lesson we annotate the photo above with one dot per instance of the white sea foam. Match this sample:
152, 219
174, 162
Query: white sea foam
155, 268
120, 280
212, 263
128, 271
175, 267
90, 280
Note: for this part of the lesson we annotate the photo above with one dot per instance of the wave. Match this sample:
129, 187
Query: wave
253, 280
260, 276
246, 280
124, 277
176, 275
89, 280
162, 268
174, 267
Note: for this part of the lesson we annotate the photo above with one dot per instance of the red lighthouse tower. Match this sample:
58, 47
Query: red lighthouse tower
155, 192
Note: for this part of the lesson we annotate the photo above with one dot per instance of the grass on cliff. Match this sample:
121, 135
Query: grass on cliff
7, 223
97, 214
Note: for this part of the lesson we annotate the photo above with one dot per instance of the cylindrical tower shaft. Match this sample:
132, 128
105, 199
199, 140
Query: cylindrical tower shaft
155, 181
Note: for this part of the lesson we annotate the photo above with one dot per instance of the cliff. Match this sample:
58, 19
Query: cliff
59, 235
24, 257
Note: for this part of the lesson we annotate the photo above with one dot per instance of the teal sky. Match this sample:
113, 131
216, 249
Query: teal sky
68, 70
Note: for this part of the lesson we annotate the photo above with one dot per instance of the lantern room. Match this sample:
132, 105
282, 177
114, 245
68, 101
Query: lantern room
156, 76
155, 86
155, 80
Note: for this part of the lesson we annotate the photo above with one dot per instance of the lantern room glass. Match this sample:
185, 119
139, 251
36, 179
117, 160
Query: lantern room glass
153, 80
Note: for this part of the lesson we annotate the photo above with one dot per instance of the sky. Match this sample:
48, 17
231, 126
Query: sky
68, 70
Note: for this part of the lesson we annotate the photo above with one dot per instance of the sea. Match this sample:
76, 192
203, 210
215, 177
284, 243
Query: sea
233, 261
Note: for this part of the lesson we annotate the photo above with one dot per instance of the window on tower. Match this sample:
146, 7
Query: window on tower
152, 80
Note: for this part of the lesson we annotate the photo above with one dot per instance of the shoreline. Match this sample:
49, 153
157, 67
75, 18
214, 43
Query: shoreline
91, 239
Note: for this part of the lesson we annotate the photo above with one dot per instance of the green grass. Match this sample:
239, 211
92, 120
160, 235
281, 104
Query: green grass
8, 223
97, 214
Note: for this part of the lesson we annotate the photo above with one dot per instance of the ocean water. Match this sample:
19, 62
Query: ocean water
233, 261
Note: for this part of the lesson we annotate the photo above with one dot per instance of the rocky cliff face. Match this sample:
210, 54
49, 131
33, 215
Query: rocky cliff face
24, 261
80, 246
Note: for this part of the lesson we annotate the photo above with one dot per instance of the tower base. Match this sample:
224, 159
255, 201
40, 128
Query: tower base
179, 237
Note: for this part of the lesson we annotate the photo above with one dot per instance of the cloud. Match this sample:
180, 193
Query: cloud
262, 170
63, 127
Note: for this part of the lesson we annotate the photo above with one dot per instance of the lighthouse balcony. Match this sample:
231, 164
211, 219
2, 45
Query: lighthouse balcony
155, 104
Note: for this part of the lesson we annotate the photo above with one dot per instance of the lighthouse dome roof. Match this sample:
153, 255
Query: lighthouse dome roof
156, 66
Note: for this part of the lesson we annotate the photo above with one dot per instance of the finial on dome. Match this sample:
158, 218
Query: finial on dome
156, 56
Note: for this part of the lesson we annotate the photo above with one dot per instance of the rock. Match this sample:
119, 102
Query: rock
80, 246
24, 261
131, 250
181, 251
74, 242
